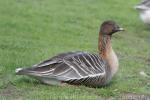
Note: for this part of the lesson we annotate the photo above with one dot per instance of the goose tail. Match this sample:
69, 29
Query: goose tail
51, 80
24, 71
21, 71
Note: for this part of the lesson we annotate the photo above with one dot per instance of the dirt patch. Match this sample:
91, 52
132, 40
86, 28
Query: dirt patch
11, 92
131, 96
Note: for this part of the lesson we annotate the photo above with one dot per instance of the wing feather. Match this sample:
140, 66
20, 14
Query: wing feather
72, 67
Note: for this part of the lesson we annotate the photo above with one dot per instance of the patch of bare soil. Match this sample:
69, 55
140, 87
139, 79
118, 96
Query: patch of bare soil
11, 92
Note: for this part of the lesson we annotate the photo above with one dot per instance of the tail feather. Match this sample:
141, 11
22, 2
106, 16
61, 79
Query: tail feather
18, 70
37, 71
24, 71
52, 80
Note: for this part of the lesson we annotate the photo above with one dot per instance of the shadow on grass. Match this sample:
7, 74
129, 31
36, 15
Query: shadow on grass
28, 81
33, 81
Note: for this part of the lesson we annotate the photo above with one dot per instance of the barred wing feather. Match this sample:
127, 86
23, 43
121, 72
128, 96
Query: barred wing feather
73, 67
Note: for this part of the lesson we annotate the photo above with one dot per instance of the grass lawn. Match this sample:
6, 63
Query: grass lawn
34, 30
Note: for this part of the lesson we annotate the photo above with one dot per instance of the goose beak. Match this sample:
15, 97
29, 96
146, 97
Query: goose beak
121, 29
117, 30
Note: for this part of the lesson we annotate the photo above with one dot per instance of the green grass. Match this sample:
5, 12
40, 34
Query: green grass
34, 30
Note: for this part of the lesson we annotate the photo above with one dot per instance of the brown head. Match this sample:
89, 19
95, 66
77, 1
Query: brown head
106, 30
109, 27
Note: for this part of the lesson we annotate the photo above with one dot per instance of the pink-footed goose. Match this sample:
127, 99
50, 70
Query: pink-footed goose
80, 68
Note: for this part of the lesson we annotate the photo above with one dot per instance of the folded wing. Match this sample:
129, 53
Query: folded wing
73, 67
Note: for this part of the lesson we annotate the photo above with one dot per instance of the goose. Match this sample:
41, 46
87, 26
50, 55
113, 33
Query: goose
78, 67
144, 11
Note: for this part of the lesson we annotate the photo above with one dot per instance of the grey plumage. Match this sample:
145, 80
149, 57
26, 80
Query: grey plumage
143, 5
73, 67
145, 2
144, 10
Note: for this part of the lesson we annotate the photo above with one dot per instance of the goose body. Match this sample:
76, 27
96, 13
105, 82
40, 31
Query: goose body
78, 68
144, 11
73, 67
